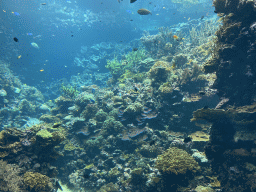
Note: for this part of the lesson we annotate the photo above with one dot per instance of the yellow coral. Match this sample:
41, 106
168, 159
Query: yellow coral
176, 161
37, 182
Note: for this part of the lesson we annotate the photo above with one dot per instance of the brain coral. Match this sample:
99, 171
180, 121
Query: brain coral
176, 161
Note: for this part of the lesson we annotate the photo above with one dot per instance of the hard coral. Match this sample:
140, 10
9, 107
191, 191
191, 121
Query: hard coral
159, 72
176, 161
37, 182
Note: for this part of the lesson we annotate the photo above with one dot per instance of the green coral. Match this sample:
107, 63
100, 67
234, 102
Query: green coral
126, 67
111, 125
37, 182
44, 134
101, 115
176, 161
134, 108
69, 91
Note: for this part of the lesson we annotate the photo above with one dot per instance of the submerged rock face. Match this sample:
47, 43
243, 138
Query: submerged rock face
235, 51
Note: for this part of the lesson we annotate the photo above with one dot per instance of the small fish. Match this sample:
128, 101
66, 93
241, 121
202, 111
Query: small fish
131, 20
173, 65
202, 17
152, 142
187, 139
175, 37
92, 101
136, 89
128, 11
144, 12
93, 90
16, 39
206, 107
86, 176
132, 1
201, 93
72, 35
29, 33
16, 13
41, 70
19, 57
55, 125
43, 3
135, 49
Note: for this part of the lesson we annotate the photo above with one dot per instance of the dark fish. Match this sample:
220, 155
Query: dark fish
55, 125
132, 1
135, 49
16, 39
86, 176
136, 89
43, 3
93, 90
201, 93
152, 142
131, 20
144, 12
187, 139
206, 107
72, 35
92, 101
202, 17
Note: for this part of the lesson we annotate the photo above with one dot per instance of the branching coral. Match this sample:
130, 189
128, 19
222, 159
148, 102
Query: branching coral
9, 178
69, 91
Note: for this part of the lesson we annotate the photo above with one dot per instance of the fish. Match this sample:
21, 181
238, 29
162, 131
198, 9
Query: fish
92, 101
41, 70
55, 125
29, 33
132, 1
136, 89
128, 11
144, 12
19, 57
152, 142
93, 90
202, 17
173, 65
135, 49
16, 39
16, 13
35, 45
43, 3
187, 139
201, 93
175, 37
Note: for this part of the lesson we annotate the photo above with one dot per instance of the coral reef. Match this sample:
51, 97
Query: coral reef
37, 182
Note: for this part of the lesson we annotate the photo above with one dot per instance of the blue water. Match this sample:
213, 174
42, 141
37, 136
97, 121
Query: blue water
61, 28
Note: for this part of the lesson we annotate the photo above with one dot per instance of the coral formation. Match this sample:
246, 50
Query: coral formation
176, 161
37, 182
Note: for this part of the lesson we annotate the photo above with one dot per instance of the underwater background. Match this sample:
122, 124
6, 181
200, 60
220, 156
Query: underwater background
127, 95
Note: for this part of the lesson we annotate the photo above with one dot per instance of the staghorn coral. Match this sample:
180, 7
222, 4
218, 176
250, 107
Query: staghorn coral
176, 161
69, 91
37, 182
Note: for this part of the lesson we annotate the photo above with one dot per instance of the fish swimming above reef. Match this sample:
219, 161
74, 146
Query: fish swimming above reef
132, 1
16, 39
144, 12
43, 3
35, 45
